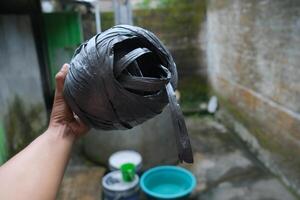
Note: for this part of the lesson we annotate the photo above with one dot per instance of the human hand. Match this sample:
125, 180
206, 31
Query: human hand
61, 115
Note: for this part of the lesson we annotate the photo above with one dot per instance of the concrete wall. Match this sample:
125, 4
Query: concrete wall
253, 56
178, 27
22, 109
19, 68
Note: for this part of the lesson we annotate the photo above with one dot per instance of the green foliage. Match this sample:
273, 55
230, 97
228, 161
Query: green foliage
22, 125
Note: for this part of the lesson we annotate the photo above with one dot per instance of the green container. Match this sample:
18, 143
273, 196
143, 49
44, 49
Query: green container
64, 34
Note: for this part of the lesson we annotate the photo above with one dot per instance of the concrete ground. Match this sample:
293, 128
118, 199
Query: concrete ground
223, 167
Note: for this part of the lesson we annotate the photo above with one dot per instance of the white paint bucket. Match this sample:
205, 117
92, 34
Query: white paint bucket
114, 188
119, 158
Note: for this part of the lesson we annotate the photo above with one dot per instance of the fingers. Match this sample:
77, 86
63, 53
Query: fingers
83, 128
60, 78
61, 111
78, 127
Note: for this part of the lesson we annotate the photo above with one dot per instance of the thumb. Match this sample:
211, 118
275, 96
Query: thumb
60, 79
60, 110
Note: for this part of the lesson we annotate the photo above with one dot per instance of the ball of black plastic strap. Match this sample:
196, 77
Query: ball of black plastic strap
118, 78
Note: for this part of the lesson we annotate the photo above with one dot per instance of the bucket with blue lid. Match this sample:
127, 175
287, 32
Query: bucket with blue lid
167, 182
121, 185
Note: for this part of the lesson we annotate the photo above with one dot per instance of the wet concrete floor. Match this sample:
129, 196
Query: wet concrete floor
223, 167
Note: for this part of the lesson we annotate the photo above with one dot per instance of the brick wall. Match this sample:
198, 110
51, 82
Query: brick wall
253, 56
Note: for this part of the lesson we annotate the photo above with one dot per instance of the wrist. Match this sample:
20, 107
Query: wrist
61, 132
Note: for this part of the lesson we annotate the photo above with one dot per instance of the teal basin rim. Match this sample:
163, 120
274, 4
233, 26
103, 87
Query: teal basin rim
163, 170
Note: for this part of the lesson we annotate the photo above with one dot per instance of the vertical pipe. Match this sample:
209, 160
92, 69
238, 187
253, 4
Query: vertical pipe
123, 12
129, 12
116, 11
39, 35
97, 16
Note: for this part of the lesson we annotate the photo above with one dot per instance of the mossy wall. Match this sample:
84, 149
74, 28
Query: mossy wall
253, 59
23, 123
22, 109
178, 25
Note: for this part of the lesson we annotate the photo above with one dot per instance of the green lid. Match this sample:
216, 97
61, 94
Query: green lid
128, 172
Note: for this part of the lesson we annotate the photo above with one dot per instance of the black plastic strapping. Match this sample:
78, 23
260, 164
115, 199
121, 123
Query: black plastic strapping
123, 77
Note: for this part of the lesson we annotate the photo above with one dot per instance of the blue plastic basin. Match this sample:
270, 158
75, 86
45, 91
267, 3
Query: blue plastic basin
168, 182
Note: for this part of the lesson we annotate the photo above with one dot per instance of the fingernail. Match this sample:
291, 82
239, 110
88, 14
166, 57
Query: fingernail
65, 67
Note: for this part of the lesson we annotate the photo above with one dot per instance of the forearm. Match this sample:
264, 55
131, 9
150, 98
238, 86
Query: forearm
36, 172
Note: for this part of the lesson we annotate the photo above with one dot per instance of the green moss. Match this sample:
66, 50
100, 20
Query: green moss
284, 154
23, 123
187, 60
178, 20
107, 20
193, 90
